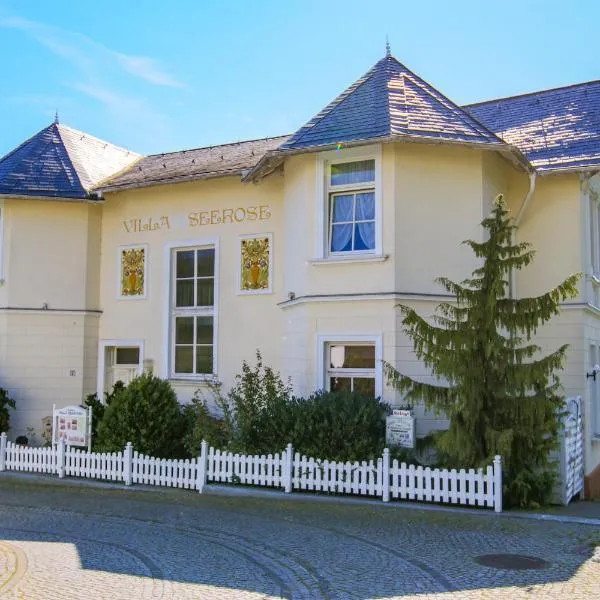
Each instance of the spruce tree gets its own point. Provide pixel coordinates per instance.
(499, 393)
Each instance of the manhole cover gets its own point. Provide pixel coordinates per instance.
(514, 562)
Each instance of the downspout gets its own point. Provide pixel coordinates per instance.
(518, 219)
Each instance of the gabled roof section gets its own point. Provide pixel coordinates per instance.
(557, 129)
(390, 101)
(191, 165)
(60, 162)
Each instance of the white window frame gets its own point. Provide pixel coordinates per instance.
(323, 170)
(169, 311)
(325, 340)
(144, 296)
(114, 343)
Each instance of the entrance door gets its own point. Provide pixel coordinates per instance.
(122, 364)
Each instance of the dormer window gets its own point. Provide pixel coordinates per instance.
(351, 192)
(349, 205)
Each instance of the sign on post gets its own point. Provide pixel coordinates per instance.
(73, 425)
(400, 429)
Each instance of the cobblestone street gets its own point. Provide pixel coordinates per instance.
(59, 542)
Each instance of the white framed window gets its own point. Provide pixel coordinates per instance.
(192, 312)
(349, 202)
(350, 363)
(118, 360)
(351, 194)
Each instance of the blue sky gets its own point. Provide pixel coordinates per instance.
(155, 76)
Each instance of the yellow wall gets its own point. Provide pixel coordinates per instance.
(245, 322)
(51, 255)
(552, 224)
(438, 204)
(46, 358)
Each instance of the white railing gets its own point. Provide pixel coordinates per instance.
(389, 480)
(94, 465)
(161, 471)
(21, 458)
(266, 470)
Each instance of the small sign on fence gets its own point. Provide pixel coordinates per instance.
(73, 424)
(400, 429)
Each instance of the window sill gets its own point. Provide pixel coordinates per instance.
(339, 260)
(194, 381)
(596, 439)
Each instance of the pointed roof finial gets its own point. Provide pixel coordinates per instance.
(388, 50)
(56, 121)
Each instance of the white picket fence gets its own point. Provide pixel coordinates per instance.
(389, 480)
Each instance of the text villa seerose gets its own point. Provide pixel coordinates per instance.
(200, 218)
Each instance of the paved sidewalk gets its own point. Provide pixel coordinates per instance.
(61, 539)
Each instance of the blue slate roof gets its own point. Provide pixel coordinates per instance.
(556, 129)
(60, 162)
(390, 100)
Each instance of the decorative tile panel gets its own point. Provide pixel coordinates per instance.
(255, 268)
(132, 280)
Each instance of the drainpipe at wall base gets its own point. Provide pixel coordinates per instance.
(513, 276)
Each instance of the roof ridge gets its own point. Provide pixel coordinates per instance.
(269, 137)
(29, 139)
(536, 93)
(84, 134)
(66, 147)
(449, 104)
(339, 99)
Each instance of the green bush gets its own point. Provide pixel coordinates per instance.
(261, 415)
(98, 408)
(200, 425)
(5, 403)
(339, 426)
(147, 414)
(259, 404)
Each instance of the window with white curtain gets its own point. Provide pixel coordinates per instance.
(192, 311)
(351, 210)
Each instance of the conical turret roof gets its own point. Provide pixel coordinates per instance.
(60, 162)
(390, 100)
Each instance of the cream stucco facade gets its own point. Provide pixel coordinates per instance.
(147, 273)
(63, 318)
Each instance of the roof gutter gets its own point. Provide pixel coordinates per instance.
(517, 223)
(273, 159)
(48, 198)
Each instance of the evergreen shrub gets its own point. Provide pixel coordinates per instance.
(98, 408)
(5, 403)
(339, 426)
(147, 414)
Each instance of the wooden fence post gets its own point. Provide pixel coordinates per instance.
(385, 474)
(128, 464)
(201, 467)
(497, 483)
(2, 451)
(288, 468)
(60, 458)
